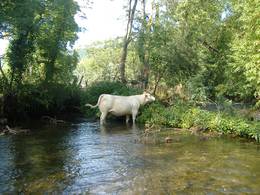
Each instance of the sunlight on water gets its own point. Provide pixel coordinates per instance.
(88, 158)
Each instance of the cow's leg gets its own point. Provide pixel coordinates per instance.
(127, 118)
(103, 118)
(134, 113)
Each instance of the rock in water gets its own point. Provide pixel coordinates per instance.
(168, 140)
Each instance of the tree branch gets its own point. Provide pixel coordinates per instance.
(208, 46)
(2, 36)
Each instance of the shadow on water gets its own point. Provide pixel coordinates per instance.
(37, 157)
(87, 157)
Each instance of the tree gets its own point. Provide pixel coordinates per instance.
(20, 30)
(143, 45)
(55, 35)
(244, 66)
(39, 40)
(127, 38)
(99, 61)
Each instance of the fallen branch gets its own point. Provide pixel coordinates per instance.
(8, 130)
(52, 120)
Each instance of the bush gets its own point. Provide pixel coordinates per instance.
(157, 113)
(187, 116)
(196, 117)
(33, 101)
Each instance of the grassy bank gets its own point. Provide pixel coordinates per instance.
(183, 115)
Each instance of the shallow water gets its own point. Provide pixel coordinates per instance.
(83, 158)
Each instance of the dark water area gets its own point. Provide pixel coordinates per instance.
(87, 158)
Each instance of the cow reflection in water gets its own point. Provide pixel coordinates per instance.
(118, 128)
(121, 105)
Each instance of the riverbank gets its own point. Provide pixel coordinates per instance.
(177, 114)
(187, 116)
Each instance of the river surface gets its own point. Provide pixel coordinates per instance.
(89, 159)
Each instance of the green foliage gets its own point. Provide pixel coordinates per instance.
(196, 90)
(55, 36)
(99, 61)
(154, 114)
(158, 114)
(40, 33)
(35, 101)
(39, 78)
(186, 116)
(210, 47)
(195, 117)
(213, 43)
(244, 67)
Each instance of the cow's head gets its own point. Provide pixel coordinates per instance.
(148, 97)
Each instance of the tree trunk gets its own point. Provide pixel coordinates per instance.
(146, 75)
(1, 105)
(122, 62)
(158, 79)
(5, 80)
(127, 40)
(143, 50)
(80, 81)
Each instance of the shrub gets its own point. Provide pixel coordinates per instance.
(187, 116)
(33, 101)
(196, 117)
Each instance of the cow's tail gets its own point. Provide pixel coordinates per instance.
(91, 106)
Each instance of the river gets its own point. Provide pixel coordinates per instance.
(86, 158)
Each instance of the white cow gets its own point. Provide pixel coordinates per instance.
(121, 105)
